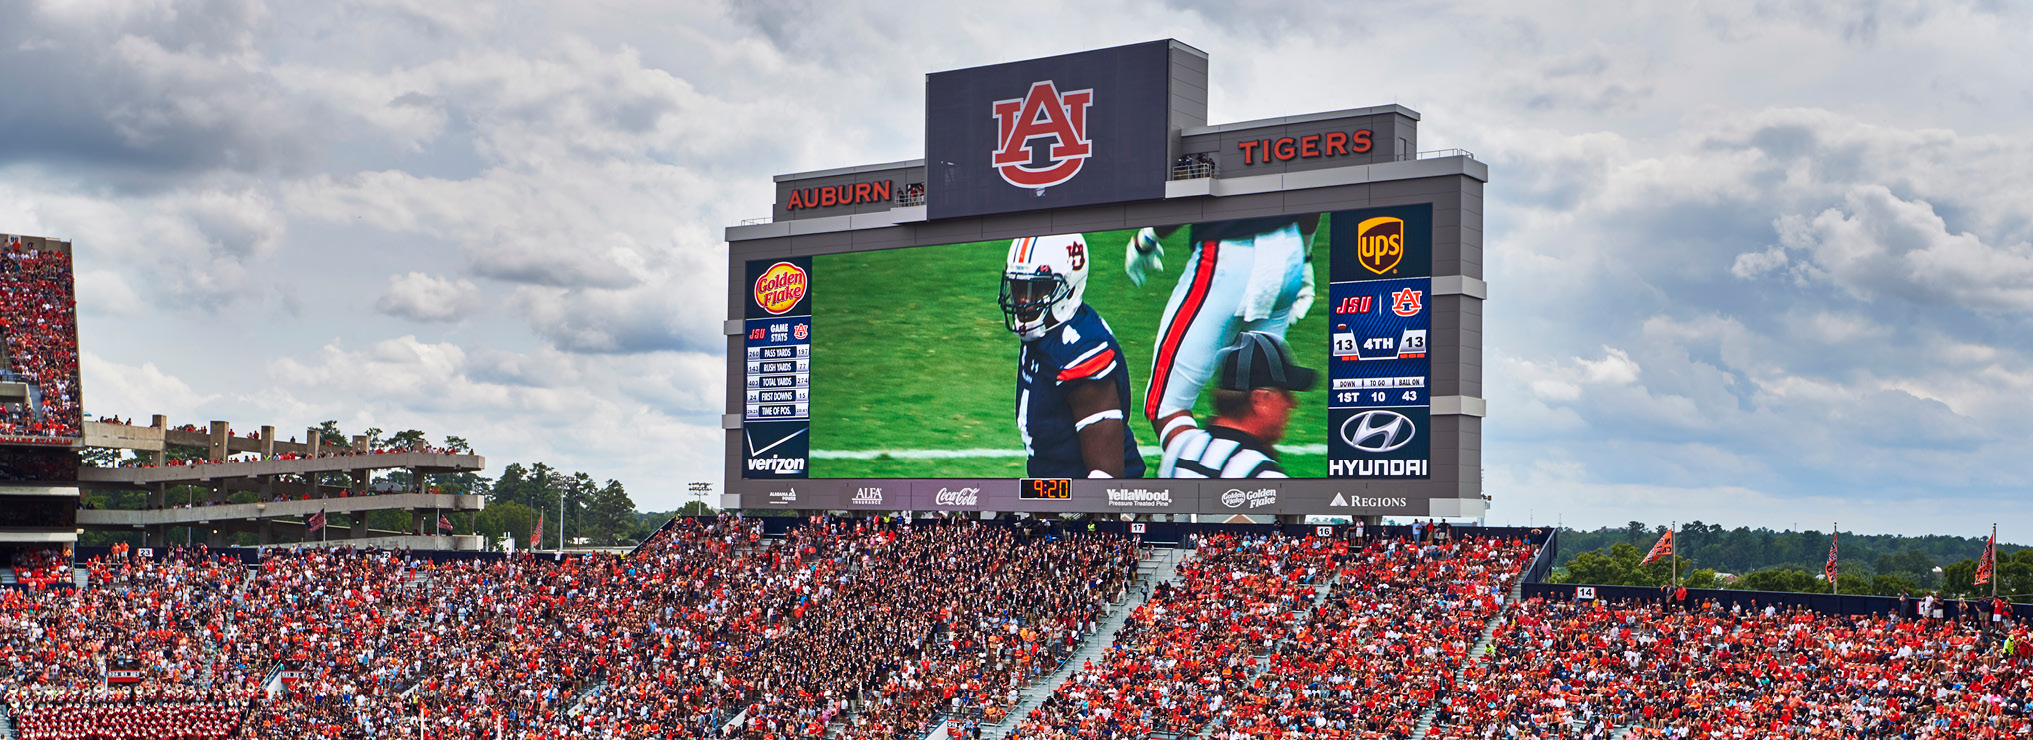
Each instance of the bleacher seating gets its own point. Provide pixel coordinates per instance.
(867, 629)
(1570, 669)
(38, 325)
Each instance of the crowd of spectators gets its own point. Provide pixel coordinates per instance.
(874, 627)
(38, 324)
(38, 567)
(1192, 166)
(1192, 644)
(1582, 669)
(1386, 644)
(877, 628)
(120, 714)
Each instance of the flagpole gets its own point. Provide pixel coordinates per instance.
(1834, 535)
(1674, 532)
(1993, 552)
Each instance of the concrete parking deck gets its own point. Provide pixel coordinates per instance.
(209, 473)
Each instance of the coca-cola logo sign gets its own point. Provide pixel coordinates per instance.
(961, 497)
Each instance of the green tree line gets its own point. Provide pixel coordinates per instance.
(1767, 560)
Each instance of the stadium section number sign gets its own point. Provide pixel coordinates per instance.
(990, 361)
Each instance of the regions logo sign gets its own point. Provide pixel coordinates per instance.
(1058, 124)
(780, 288)
(1380, 243)
(1370, 502)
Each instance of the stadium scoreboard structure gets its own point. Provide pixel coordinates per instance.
(940, 334)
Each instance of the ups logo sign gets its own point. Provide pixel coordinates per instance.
(1380, 243)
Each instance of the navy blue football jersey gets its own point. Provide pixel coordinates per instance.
(1082, 348)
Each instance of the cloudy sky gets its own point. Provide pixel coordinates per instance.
(1761, 262)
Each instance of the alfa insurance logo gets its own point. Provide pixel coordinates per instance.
(1056, 121)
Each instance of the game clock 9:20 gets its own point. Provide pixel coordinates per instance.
(1048, 489)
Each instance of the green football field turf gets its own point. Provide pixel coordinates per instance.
(909, 354)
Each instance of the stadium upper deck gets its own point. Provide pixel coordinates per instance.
(38, 343)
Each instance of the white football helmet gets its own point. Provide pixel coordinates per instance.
(1042, 282)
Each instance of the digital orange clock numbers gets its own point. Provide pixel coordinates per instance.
(1057, 489)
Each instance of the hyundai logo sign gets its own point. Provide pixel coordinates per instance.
(1378, 430)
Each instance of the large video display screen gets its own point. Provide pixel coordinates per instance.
(38, 344)
(1145, 353)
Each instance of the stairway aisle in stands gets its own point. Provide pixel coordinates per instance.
(7, 724)
(1479, 652)
(1162, 569)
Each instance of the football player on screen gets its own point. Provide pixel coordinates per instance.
(1072, 379)
(1252, 274)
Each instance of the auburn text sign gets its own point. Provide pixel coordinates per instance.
(1045, 133)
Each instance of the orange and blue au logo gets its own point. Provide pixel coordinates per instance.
(780, 288)
(1380, 243)
(1042, 113)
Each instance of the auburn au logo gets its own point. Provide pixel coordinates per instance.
(1380, 243)
(1043, 113)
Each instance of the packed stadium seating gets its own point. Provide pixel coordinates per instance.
(1386, 643)
(874, 627)
(38, 567)
(1191, 643)
(862, 628)
(1576, 669)
(1240, 650)
(38, 323)
(113, 714)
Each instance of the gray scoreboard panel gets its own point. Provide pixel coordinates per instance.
(783, 455)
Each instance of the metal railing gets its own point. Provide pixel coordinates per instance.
(1437, 154)
(1195, 170)
(1541, 566)
(908, 198)
(755, 221)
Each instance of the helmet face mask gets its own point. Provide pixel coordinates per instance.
(1042, 283)
(1027, 301)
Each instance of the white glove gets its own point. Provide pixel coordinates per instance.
(1142, 255)
(1304, 300)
